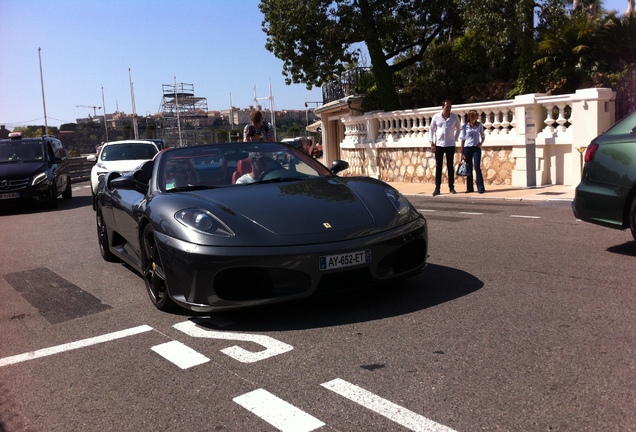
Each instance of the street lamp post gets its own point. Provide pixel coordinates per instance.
(581, 151)
(46, 125)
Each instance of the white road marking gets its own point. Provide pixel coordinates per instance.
(275, 411)
(180, 354)
(393, 412)
(525, 217)
(73, 345)
(426, 210)
(272, 346)
(470, 213)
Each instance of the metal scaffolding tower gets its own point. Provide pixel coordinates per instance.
(180, 108)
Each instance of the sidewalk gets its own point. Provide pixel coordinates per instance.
(506, 192)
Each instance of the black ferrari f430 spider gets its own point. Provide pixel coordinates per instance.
(222, 226)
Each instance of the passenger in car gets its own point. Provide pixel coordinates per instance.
(259, 165)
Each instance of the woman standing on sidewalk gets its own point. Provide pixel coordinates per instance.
(472, 137)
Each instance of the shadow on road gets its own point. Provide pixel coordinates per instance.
(436, 285)
(627, 249)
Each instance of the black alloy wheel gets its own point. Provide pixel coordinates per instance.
(153, 273)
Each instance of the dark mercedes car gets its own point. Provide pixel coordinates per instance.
(33, 170)
(606, 194)
(228, 225)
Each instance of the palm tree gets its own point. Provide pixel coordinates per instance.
(564, 54)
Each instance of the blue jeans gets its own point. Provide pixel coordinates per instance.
(473, 160)
(439, 163)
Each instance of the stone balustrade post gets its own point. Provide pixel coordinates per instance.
(529, 122)
(593, 112)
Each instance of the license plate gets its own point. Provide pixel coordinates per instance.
(10, 195)
(331, 262)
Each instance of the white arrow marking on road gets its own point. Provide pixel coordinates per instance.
(275, 411)
(273, 346)
(180, 354)
(74, 345)
(393, 412)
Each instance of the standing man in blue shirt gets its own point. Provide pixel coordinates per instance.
(444, 131)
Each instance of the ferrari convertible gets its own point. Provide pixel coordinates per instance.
(222, 226)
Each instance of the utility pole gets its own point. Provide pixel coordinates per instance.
(46, 124)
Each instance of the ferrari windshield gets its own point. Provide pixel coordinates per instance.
(235, 164)
(21, 151)
(129, 151)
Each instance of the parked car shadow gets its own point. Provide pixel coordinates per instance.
(31, 208)
(627, 248)
(436, 285)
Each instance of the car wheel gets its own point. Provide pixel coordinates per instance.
(52, 202)
(632, 218)
(68, 192)
(102, 238)
(153, 272)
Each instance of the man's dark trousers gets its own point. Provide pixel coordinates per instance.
(439, 160)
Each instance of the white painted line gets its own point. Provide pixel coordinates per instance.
(426, 210)
(470, 213)
(73, 345)
(180, 354)
(393, 412)
(275, 411)
(525, 217)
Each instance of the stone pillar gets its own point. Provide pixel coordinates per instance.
(529, 118)
(593, 112)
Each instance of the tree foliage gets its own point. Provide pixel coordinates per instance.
(463, 50)
(319, 39)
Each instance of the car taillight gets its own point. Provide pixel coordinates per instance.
(589, 153)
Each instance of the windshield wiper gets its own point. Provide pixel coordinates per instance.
(279, 180)
(191, 188)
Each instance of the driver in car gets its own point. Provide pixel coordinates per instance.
(259, 165)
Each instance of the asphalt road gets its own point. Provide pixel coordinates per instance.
(523, 321)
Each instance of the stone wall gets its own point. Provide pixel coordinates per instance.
(417, 165)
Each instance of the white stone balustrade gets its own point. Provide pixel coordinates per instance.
(531, 140)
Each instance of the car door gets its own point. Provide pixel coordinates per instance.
(59, 165)
(126, 213)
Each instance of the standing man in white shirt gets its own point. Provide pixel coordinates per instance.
(444, 131)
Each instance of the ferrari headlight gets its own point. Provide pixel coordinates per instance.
(398, 200)
(203, 221)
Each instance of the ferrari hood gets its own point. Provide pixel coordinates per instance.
(299, 208)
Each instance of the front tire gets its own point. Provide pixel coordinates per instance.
(68, 192)
(102, 238)
(52, 202)
(632, 218)
(153, 273)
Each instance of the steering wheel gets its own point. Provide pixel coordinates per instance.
(267, 171)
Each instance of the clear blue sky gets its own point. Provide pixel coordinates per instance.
(215, 45)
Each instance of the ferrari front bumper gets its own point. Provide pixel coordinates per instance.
(205, 278)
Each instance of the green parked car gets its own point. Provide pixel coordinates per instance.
(607, 193)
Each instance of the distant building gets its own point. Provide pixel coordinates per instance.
(4, 132)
